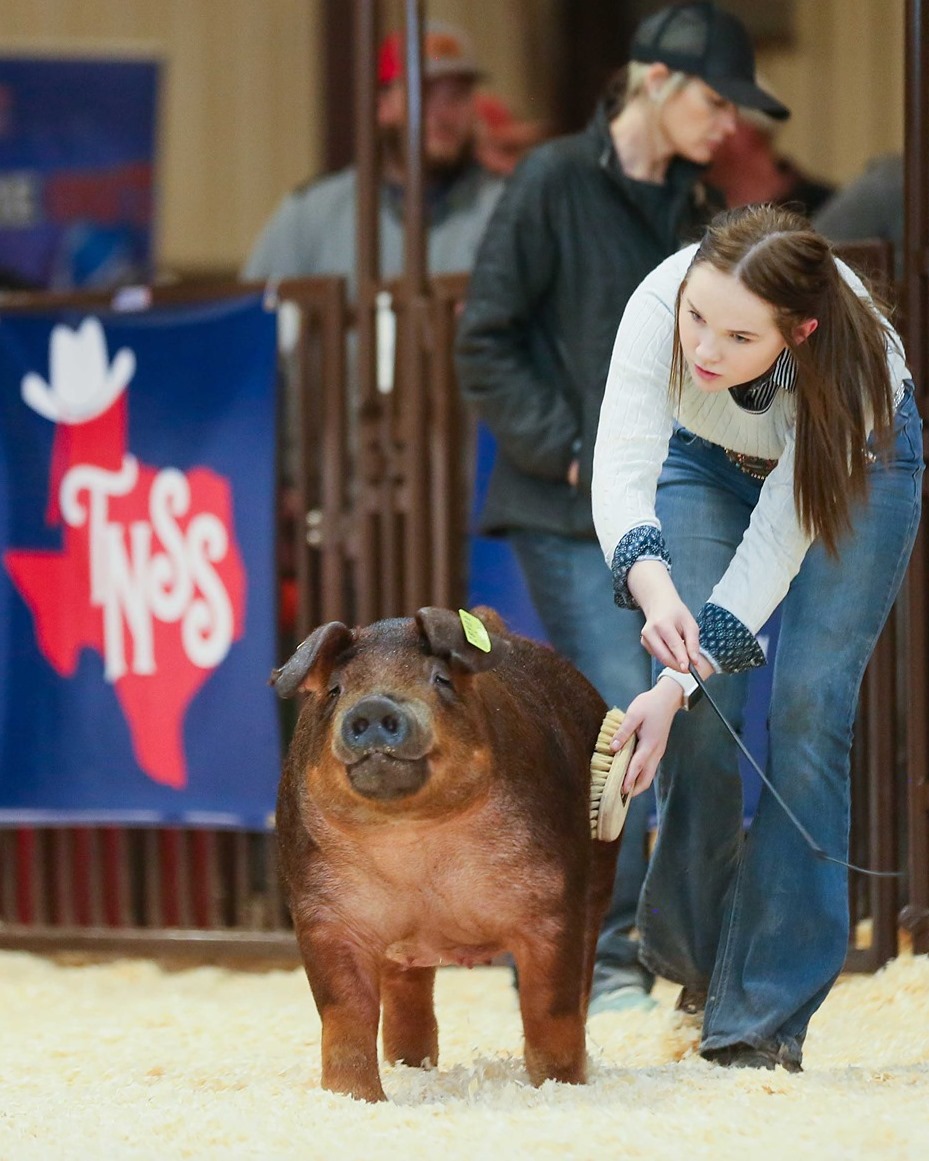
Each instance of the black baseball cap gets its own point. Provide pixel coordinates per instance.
(707, 42)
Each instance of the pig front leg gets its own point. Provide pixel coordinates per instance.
(552, 1003)
(345, 987)
(410, 1030)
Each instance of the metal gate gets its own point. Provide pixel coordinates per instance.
(384, 485)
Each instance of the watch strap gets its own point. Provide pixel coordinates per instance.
(688, 683)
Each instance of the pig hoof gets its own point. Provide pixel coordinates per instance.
(561, 1075)
(372, 1092)
(543, 1066)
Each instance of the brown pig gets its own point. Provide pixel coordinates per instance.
(434, 810)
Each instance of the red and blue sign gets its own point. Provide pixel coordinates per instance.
(77, 152)
(137, 580)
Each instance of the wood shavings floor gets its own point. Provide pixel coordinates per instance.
(125, 1059)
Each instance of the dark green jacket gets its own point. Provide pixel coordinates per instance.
(569, 241)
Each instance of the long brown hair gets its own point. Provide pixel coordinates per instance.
(843, 385)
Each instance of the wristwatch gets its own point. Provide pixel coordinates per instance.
(688, 683)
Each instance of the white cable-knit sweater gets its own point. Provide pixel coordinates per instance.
(636, 421)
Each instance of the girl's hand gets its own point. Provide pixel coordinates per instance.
(671, 634)
(649, 716)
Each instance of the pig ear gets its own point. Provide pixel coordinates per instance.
(311, 665)
(445, 635)
(492, 620)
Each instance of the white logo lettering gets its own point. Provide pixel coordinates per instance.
(134, 585)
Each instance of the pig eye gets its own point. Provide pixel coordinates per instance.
(442, 680)
(334, 692)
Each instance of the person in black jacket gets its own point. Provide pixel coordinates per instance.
(581, 222)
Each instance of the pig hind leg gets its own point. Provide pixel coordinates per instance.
(410, 1031)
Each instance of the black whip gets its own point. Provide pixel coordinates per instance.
(817, 850)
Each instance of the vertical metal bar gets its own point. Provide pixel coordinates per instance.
(883, 847)
(169, 863)
(414, 202)
(448, 443)
(418, 546)
(308, 467)
(222, 860)
(42, 879)
(874, 837)
(387, 479)
(390, 496)
(857, 958)
(180, 896)
(61, 877)
(8, 876)
(116, 875)
(82, 863)
(339, 65)
(25, 875)
(95, 878)
(412, 494)
(241, 850)
(339, 562)
(442, 458)
(367, 260)
(152, 878)
(201, 886)
(915, 915)
(367, 233)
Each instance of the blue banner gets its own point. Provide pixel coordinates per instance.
(137, 573)
(77, 152)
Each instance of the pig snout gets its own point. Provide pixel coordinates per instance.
(383, 744)
(376, 724)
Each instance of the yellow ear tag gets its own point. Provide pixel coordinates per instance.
(474, 631)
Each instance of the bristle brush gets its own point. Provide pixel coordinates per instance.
(608, 804)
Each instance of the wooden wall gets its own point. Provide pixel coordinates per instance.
(242, 104)
(843, 77)
(241, 101)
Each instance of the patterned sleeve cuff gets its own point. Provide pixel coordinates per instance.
(727, 642)
(643, 542)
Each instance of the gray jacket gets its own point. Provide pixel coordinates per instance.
(313, 229)
(869, 207)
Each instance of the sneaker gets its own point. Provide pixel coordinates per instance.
(625, 998)
(745, 1056)
(691, 1001)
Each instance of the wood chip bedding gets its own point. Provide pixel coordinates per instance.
(126, 1059)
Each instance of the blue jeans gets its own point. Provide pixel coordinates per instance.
(572, 590)
(760, 922)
